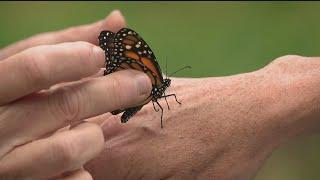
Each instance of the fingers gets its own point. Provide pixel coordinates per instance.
(56, 109)
(43, 66)
(88, 33)
(99, 119)
(112, 127)
(62, 152)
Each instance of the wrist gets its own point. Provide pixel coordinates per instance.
(263, 108)
(291, 99)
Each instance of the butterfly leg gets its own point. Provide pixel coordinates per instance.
(105, 72)
(161, 112)
(172, 95)
(165, 98)
(154, 107)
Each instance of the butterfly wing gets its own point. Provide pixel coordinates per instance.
(129, 45)
(106, 42)
(129, 113)
(124, 50)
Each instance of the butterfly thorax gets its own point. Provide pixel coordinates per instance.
(167, 82)
(158, 92)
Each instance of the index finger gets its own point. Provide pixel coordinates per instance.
(89, 33)
(41, 67)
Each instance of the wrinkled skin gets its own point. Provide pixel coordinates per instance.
(49, 85)
(225, 128)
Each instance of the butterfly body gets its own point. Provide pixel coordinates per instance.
(127, 50)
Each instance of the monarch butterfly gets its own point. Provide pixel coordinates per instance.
(126, 49)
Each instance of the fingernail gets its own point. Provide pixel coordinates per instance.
(143, 85)
(99, 53)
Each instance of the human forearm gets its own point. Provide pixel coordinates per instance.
(225, 128)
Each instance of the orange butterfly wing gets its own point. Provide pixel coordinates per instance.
(131, 45)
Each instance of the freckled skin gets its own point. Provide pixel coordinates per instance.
(225, 128)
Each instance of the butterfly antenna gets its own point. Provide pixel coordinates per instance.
(186, 67)
(166, 66)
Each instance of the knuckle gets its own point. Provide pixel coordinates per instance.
(84, 52)
(84, 44)
(284, 64)
(286, 59)
(41, 38)
(97, 131)
(65, 104)
(85, 48)
(64, 152)
(68, 33)
(71, 32)
(33, 66)
(117, 92)
(95, 128)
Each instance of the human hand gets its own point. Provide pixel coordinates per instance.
(45, 86)
(225, 128)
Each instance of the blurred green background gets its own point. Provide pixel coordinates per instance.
(215, 38)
